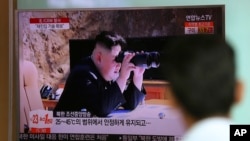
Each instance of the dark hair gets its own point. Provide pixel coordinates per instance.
(108, 39)
(201, 71)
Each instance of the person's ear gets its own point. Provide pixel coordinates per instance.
(239, 87)
(99, 57)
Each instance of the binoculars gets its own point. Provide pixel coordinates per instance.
(146, 59)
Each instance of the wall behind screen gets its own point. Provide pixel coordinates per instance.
(237, 30)
(4, 70)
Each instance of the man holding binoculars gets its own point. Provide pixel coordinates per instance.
(100, 83)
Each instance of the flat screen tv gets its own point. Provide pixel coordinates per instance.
(51, 42)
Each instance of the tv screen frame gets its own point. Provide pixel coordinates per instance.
(35, 25)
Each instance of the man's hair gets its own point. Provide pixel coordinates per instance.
(201, 72)
(108, 39)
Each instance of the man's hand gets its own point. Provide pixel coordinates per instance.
(138, 77)
(126, 68)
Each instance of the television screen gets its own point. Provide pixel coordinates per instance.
(51, 43)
